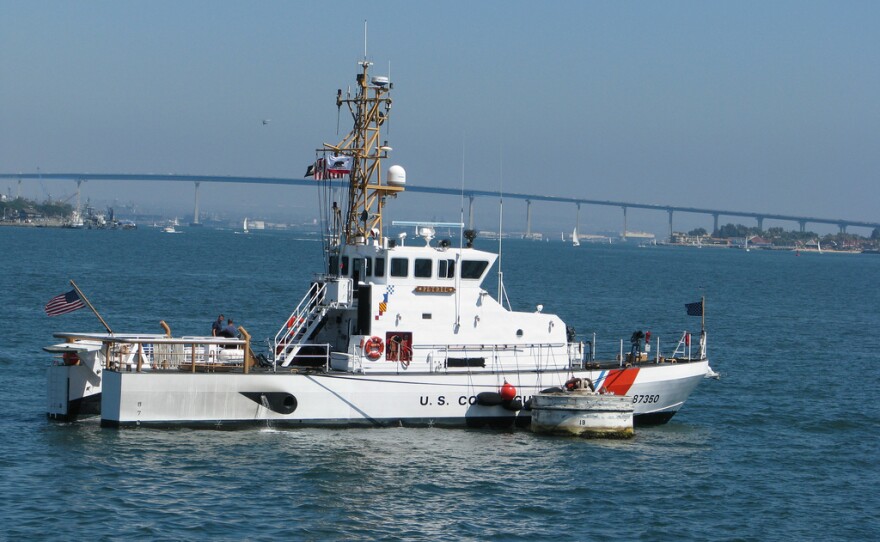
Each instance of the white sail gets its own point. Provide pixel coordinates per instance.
(244, 226)
(574, 238)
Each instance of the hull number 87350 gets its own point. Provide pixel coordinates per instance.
(646, 399)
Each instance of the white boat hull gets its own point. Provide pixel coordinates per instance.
(346, 399)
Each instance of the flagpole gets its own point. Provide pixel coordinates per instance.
(703, 311)
(84, 298)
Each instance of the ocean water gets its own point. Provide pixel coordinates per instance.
(783, 447)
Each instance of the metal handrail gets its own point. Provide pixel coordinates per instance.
(289, 336)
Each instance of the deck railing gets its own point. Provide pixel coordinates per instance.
(132, 353)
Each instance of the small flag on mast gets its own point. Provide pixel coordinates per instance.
(694, 309)
(64, 303)
(331, 167)
(338, 165)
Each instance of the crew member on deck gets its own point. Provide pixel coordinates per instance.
(229, 331)
(217, 326)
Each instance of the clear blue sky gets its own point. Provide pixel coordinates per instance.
(758, 106)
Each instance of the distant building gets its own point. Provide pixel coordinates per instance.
(681, 238)
(754, 242)
(29, 215)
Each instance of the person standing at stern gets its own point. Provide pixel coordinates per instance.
(217, 326)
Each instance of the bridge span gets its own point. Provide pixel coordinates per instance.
(470, 193)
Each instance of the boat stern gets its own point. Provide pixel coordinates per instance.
(73, 382)
(72, 391)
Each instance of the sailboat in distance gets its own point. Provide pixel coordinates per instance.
(244, 227)
(575, 241)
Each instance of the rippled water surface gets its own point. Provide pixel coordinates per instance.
(784, 446)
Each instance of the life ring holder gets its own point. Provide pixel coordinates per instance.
(373, 347)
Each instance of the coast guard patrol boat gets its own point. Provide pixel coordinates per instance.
(391, 332)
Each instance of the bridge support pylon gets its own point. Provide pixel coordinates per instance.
(196, 209)
(528, 219)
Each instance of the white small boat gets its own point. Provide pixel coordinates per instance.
(577, 410)
(170, 229)
(575, 240)
(244, 227)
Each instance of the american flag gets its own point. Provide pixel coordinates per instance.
(64, 303)
(318, 170)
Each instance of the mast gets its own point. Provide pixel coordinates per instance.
(370, 108)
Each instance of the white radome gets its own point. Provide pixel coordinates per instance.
(396, 176)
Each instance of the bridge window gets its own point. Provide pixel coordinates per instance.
(422, 268)
(379, 270)
(399, 267)
(360, 268)
(334, 265)
(343, 269)
(473, 269)
(446, 269)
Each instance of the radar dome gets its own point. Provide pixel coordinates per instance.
(396, 176)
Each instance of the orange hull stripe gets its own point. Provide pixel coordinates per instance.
(620, 381)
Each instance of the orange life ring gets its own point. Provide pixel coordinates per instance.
(294, 320)
(373, 348)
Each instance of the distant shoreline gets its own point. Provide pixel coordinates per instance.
(46, 224)
(771, 249)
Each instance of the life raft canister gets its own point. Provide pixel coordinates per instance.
(373, 347)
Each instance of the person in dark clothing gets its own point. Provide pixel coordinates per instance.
(229, 331)
(217, 326)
